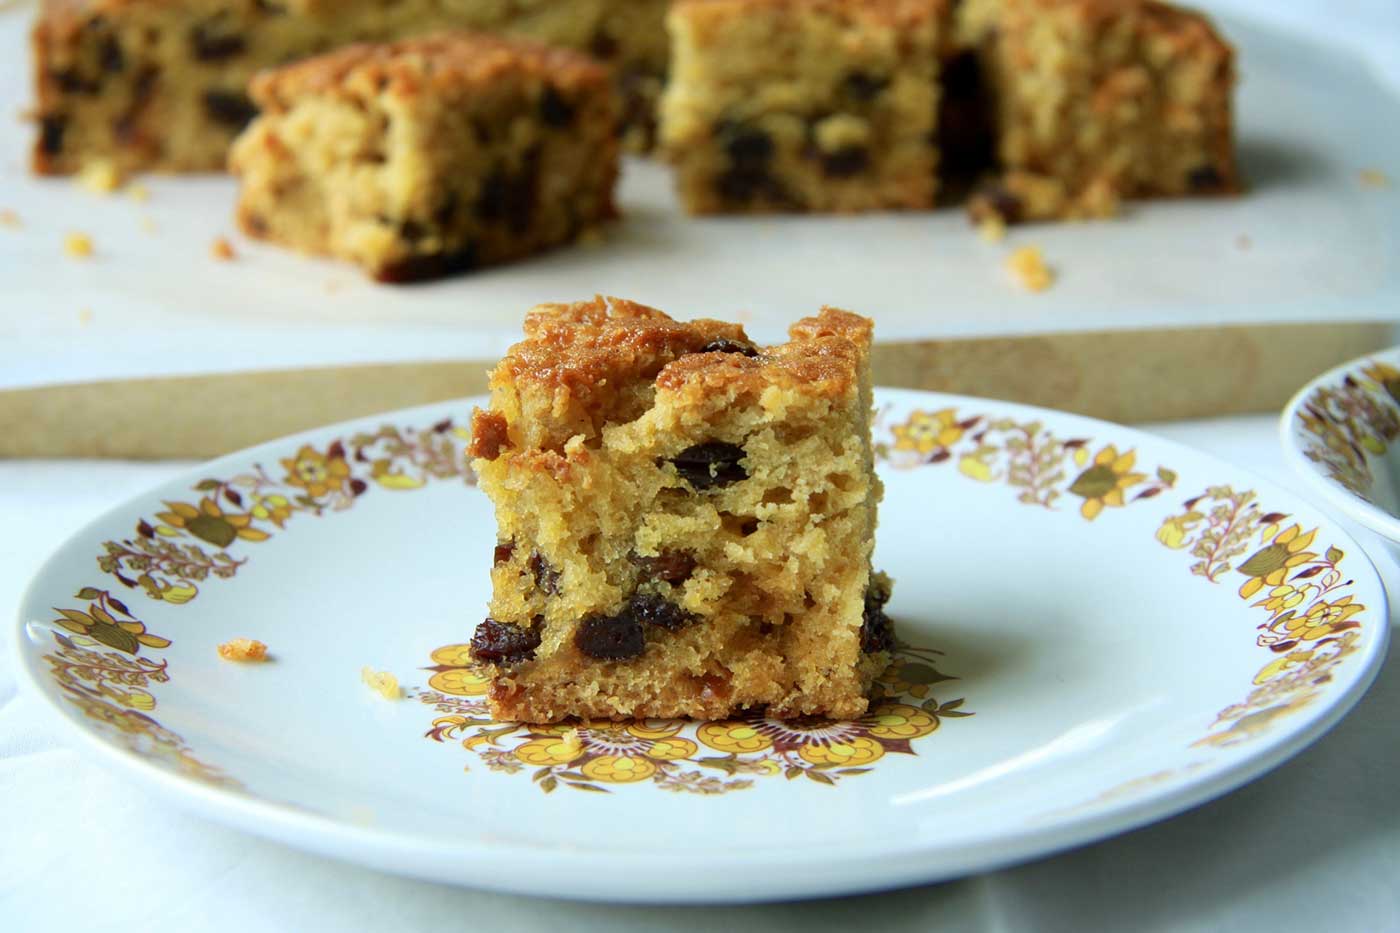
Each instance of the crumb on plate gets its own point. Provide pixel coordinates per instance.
(9, 218)
(100, 177)
(381, 682)
(572, 742)
(78, 245)
(222, 250)
(1374, 178)
(1028, 264)
(243, 649)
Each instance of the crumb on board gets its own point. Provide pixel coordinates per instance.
(139, 193)
(100, 177)
(1374, 178)
(1028, 264)
(222, 250)
(9, 218)
(85, 317)
(992, 228)
(78, 245)
(381, 682)
(243, 649)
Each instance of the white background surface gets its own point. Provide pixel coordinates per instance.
(1315, 845)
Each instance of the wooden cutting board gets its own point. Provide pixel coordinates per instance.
(153, 348)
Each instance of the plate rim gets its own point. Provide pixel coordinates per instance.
(1367, 514)
(813, 872)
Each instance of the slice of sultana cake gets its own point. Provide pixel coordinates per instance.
(685, 519)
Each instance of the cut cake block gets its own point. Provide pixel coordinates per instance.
(685, 520)
(431, 155)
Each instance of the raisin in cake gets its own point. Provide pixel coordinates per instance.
(685, 519)
(161, 84)
(803, 105)
(1100, 100)
(431, 155)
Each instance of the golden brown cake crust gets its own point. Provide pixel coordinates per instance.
(424, 64)
(899, 13)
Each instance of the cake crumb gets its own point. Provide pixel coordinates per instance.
(85, 317)
(9, 218)
(139, 193)
(100, 177)
(1028, 264)
(1374, 178)
(78, 245)
(992, 228)
(222, 250)
(381, 682)
(243, 649)
(572, 742)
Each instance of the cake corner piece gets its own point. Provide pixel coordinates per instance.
(685, 519)
(429, 156)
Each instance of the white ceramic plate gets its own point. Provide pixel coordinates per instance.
(1340, 433)
(1104, 629)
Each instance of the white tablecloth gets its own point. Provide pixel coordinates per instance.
(1314, 845)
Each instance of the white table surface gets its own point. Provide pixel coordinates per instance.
(1313, 846)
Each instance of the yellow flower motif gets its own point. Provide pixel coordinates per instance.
(1283, 663)
(1174, 532)
(274, 508)
(672, 749)
(99, 624)
(618, 769)
(461, 682)
(461, 676)
(1387, 377)
(975, 467)
(316, 472)
(733, 736)
(900, 721)
(208, 523)
(1284, 596)
(1270, 565)
(1325, 618)
(551, 750)
(1104, 483)
(853, 752)
(926, 432)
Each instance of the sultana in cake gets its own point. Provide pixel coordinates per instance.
(685, 520)
(430, 156)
